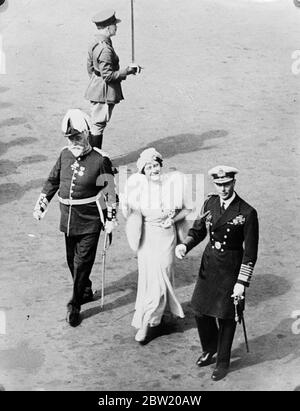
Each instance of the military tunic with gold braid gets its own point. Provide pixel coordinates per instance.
(86, 191)
(229, 256)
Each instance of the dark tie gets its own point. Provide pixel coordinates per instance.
(222, 208)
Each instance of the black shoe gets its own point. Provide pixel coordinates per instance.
(205, 358)
(219, 373)
(73, 315)
(88, 296)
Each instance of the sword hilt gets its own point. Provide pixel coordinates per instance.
(240, 317)
(236, 301)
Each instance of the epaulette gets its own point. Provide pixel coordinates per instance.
(94, 46)
(208, 197)
(100, 44)
(64, 148)
(103, 153)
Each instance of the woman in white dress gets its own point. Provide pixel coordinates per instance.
(161, 201)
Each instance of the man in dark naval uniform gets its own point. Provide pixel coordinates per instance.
(84, 179)
(226, 267)
(104, 89)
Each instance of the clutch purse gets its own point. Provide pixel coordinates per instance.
(134, 229)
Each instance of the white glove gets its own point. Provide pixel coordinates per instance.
(238, 290)
(40, 207)
(180, 251)
(110, 225)
(134, 68)
(167, 223)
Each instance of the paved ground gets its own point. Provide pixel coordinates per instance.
(218, 87)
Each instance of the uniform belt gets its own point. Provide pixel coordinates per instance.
(81, 201)
(218, 246)
(71, 201)
(98, 74)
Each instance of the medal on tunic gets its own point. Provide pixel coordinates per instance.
(217, 245)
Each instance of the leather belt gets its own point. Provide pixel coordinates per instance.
(220, 246)
(71, 202)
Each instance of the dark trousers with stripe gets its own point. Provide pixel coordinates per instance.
(81, 253)
(216, 336)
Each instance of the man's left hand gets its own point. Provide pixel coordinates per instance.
(135, 68)
(110, 225)
(238, 290)
(167, 223)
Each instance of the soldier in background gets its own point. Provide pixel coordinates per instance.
(226, 267)
(104, 89)
(84, 179)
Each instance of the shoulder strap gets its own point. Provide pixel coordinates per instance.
(209, 195)
(96, 45)
(103, 153)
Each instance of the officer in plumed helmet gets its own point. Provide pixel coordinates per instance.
(104, 90)
(226, 267)
(84, 179)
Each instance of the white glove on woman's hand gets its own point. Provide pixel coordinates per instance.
(167, 223)
(180, 251)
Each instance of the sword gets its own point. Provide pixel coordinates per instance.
(105, 247)
(137, 67)
(239, 318)
(245, 332)
(132, 32)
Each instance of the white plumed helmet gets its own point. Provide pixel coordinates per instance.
(75, 121)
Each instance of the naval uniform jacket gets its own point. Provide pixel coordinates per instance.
(80, 178)
(229, 256)
(104, 71)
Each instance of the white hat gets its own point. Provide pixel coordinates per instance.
(147, 156)
(75, 121)
(223, 174)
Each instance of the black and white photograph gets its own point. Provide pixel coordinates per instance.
(149, 198)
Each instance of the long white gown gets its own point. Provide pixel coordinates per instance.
(155, 291)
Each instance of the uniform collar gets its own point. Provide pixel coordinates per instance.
(228, 201)
(229, 213)
(86, 151)
(101, 37)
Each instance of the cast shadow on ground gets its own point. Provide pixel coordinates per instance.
(13, 191)
(13, 121)
(5, 105)
(173, 145)
(168, 147)
(184, 276)
(8, 167)
(264, 287)
(22, 141)
(281, 343)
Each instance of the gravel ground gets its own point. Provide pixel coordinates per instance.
(218, 86)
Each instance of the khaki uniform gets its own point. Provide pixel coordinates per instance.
(105, 82)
